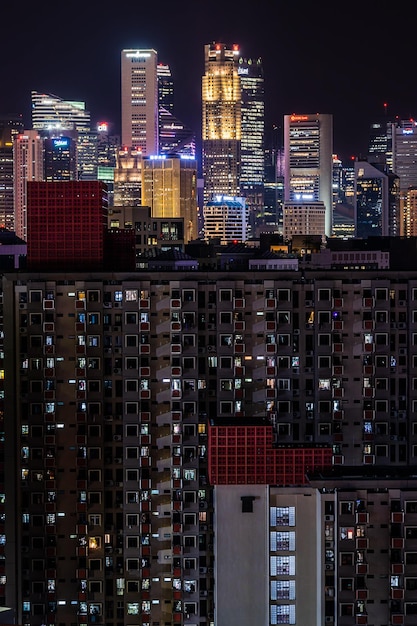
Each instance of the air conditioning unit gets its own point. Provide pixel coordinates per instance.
(109, 483)
(296, 331)
(309, 437)
(117, 437)
(309, 303)
(117, 370)
(118, 460)
(118, 551)
(329, 518)
(329, 566)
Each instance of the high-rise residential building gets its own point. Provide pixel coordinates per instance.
(54, 117)
(10, 126)
(66, 224)
(139, 100)
(169, 187)
(377, 201)
(222, 121)
(28, 165)
(252, 168)
(171, 439)
(308, 161)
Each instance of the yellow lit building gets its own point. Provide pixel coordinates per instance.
(221, 128)
(169, 187)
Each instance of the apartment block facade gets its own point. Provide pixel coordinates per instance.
(209, 448)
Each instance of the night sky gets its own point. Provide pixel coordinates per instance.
(318, 58)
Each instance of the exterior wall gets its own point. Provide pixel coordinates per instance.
(241, 569)
(76, 217)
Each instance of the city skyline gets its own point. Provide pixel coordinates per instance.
(339, 65)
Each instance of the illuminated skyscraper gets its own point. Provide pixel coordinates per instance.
(308, 161)
(165, 87)
(60, 159)
(221, 129)
(28, 165)
(253, 131)
(377, 201)
(53, 117)
(10, 126)
(139, 86)
(174, 136)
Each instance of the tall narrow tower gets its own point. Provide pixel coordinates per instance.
(221, 131)
(10, 126)
(28, 165)
(253, 134)
(308, 161)
(140, 100)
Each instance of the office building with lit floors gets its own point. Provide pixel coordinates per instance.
(222, 121)
(209, 447)
(139, 100)
(308, 161)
